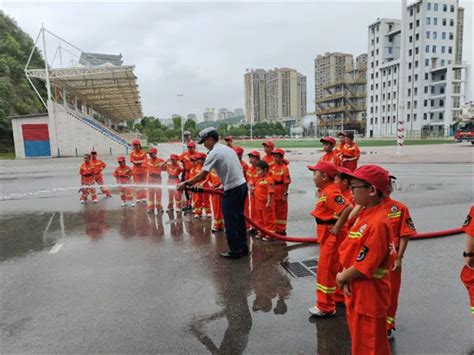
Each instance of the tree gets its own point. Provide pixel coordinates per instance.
(177, 122)
(190, 125)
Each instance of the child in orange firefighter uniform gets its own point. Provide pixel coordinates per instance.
(350, 153)
(330, 155)
(402, 228)
(264, 204)
(467, 273)
(282, 180)
(268, 147)
(331, 212)
(154, 167)
(245, 168)
(215, 182)
(87, 179)
(123, 175)
(366, 255)
(201, 201)
(252, 176)
(187, 160)
(138, 159)
(99, 167)
(174, 170)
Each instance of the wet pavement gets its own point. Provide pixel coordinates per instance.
(100, 278)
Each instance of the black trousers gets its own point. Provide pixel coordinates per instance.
(233, 203)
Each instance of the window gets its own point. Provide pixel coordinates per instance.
(372, 53)
(417, 36)
(372, 87)
(441, 116)
(393, 119)
(443, 35)
(409, 92)
(428, 34)
(408, 105)
(409, 78)
(451, 22)
(415, 104)
(444, 22)
(428, 6)
(394, 106)
(426, 89)
(432, 103)
(425, 103)
(411, 12)
(416, 50)
(417, 23)
(389, 83)
(434, 49)
(394, 95)
(377, 75)
(425, 117)
(371, 99)
(435, 34)
(435, 21)
(428, 20)
(427, 62)
(377, 63)
(394, 82)
(410, 39)
(443, 49)
(414, 117)
(371, 120)
(411, 25)
(409, 66)
(388, 98)
(442, 62)
(452, 8)
(415, 92)
(395, 70)
(416, 77)
(372, 76)
(376, 86)
(451, 35)
(445, 8)
(390, 50)
(432, 89)
(416, 64)
(376, 119)
(427, 48)
(441, 103)
(435, 7)
(441, 90)
(408, 118)
(410, 52)
(450, 50)
(427, 76)
(377, 40)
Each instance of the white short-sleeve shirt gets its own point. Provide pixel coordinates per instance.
(227, 165)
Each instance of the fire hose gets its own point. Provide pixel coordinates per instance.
(293, 239)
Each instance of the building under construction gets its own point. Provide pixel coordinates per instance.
(341, 105)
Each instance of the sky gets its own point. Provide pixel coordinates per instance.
(202, 49)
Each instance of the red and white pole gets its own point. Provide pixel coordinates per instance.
(402, 81)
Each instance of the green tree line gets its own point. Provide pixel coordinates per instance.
(17, 97)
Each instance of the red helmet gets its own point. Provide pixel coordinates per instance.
(229, 139)
(174, 157)
(136, 142)
(121, 158)
(239, 150)
(279, 152)
(152, 150)
(191, 144)
(254, 153)
(200, 155)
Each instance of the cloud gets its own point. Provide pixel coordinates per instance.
(202, 50)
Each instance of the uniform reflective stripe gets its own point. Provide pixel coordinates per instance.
(390, 320)
(394, 214)
(355, 235)
(472, 310)
(280, 221)
(379, 273)
(322, 199)
(324, 289)
(263, 182)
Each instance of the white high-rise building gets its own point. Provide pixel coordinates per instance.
(436, 80)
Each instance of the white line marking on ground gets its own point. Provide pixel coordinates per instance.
(55, 248)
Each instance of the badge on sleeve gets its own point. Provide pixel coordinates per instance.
(339, 200)
(363, 253)
(467, 221)
(410, 223)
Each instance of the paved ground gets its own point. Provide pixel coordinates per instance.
(98, 278)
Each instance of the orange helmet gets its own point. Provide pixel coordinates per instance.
(121, 158)
(152, 150)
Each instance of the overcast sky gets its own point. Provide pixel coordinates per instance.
(202, 49)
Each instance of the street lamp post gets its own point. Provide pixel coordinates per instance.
(180, 104)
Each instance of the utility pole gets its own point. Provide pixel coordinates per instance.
(180, 107)
(401, 81)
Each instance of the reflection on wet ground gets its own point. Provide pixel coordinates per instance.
(127, 281)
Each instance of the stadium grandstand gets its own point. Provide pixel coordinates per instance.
(90, 96)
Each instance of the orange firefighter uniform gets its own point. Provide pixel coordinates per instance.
(350, 151)
(99, 166)
(123, 175)
(251, 178)
(201, 201)
(332, 156)
(329, 206)
(265, 216)
(216, 201)
(138, 159)
(281, 179)
(187, 160)
(402, 227)
(245, 168)
(154, 168)
(174, 170)
(467, 273)
(87, 181)
(369, 248)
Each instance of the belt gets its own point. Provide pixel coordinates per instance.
(173, 177)
(328, 222)
(279, 183)
(155, 175)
